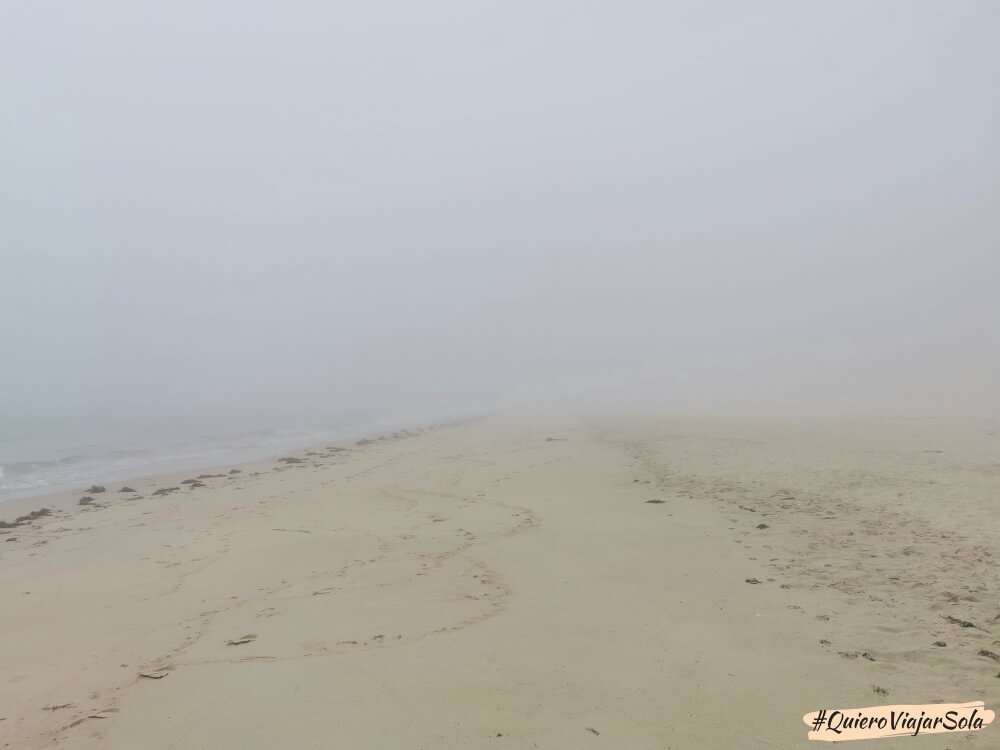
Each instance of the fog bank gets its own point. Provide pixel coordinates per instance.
(302, 208)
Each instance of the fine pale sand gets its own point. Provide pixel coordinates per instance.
(507, 583)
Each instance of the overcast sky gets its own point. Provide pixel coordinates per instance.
(302, 205)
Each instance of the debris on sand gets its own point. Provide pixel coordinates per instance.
(747, 508)
(235, 471)
(962, 623)
(940, 644)
(26, 518)
(126, 489)
(879, 690)
(211, 476)
(165, 491)
(762, 526)
(655, 502)
(11, 539)
(753, 580)
(989, 654)
(57, 707)
(593, 731)
(188, 481)
(96, 489)
(157, 674)
(196, 484)
(291, 460)
(85, 500)
(248, 638)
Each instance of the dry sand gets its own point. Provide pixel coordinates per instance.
(505, 583)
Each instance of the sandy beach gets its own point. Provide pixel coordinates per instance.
(515, 583)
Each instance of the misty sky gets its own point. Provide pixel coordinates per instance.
(301, 205)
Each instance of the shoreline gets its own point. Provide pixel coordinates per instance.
(63, 500)
(199, 456)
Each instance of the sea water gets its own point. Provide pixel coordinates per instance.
(39, 456)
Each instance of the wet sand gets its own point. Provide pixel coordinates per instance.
(510, 583)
